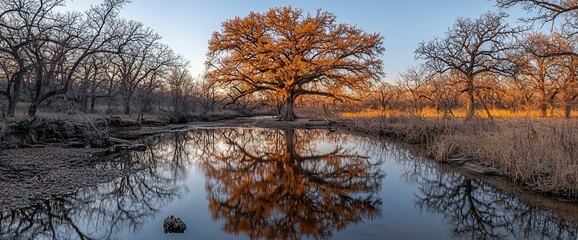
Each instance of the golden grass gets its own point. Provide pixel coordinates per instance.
(457, 113)
(539, 153)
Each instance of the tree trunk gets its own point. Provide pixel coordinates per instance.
(92, 99)
(126, 104)
(543, 100)
(84, 107)
(279, 107)
(126, 108)
(290, 145)
(139, 118)
(568, 110)
(13, 100)
(126, 98)
(289, 113)
(543, 108)
(32, 109)
(471, 102)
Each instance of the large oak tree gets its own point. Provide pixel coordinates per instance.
(284, 51)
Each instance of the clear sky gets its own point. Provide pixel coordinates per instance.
(186, 25)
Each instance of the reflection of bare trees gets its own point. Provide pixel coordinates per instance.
(475, 210)
(285, 184)
(279, 184)
(101, 211)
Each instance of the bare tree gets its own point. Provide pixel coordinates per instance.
(471, 48)
(549, 11)
(543, 71)
(143, 64)
(287, 52)
(442, 93)
(181, 86)
(569, 89)
(413, 80)
(208, 96)
(57, 51)
(67, 39)
(19, 28)
(87, 75)
(385, 97)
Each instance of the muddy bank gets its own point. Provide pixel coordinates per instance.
(85, 132)
(138, 132)
(31, 175)
(39, 132)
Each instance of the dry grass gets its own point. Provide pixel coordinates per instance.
(540, 153)
(457, 113)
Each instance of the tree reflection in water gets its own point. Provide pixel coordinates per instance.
(279, 184)
(101, 211)
(475, 210)
(284, 184)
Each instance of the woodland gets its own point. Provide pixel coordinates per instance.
(95, 62)
(488, 92)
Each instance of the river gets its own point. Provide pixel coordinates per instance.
(243, 183)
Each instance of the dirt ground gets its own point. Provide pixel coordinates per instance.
(30, 175)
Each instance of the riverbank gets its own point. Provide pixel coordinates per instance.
(537, 153)
(59, 156)
(45, 157)
(32, 175)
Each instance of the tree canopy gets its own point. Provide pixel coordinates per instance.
(284, 51)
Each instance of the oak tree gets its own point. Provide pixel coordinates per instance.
(287, 52)
(550, 11)
(542, 70)
(471, 48)
(546, 10)
(20, 27)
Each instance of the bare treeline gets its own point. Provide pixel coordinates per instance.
(486, 65)
(97, 62)
(92, 61)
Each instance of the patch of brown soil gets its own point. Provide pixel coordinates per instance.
(30, 175)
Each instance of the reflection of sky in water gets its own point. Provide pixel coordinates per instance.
(416, 200)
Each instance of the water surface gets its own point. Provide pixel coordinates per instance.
(245, 183)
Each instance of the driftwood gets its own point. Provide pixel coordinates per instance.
(122, 147)
(118, 140)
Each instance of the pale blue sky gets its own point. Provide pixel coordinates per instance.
(186, 25)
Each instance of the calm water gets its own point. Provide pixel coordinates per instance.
(264, 183)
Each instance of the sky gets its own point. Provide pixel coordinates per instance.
(186, 25)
